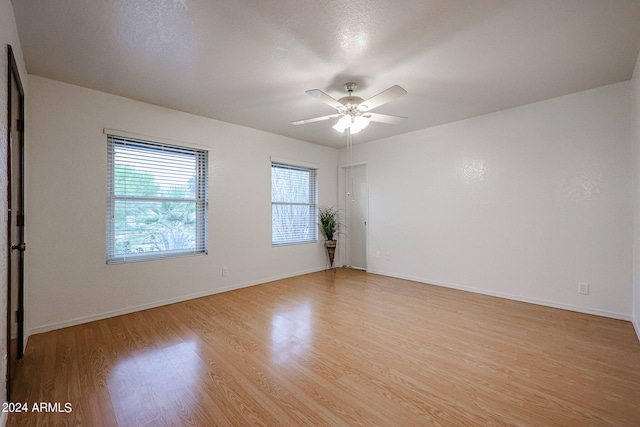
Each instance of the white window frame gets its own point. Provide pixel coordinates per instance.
(311, 204)
(200, 200)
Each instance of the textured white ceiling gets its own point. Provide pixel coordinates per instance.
(249, 62)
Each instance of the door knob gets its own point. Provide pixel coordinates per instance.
(21, 247)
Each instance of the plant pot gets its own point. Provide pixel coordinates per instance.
(331, 249)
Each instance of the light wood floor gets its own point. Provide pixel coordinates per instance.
(345, 349)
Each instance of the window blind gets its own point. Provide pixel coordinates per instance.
(157, 200)
(293, 204)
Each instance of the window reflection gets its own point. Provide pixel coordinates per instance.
(166, 376)
(291, 329)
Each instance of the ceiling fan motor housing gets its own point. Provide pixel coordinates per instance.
(350, 102)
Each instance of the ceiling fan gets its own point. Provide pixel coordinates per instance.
(354, 112)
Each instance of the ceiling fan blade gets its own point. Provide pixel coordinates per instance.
(382, 98)
(320, 95)
(315, 119)
(385, 118)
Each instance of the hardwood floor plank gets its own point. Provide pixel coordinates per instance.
(337, 348)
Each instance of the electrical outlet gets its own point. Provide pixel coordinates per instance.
(225, 271)
(583, 288)
(378, 255)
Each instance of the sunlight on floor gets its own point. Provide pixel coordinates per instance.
(168, 377)
(287, 324)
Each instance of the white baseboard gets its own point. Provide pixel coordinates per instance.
(133, 309)
(553, 304)
(114, 313)
(636, 326)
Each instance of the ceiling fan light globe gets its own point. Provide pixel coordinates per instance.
(358, 123)
(339, 128)
(361, 121)
(343, 123)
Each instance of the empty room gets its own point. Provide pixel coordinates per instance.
(333, 213)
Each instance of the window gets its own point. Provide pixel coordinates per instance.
(157, 200)
(293, 204)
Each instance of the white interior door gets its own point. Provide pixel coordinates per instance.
(355, 205)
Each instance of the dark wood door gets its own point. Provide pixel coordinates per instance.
(15, 224)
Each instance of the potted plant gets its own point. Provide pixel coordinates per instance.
(329, 223)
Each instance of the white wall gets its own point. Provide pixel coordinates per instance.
(524, 203)
(67, 279)
(8, 35)
(636, 199)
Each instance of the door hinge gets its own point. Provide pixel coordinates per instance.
(19, 316)
(20, 220)
(20, 247)
(20, 124)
